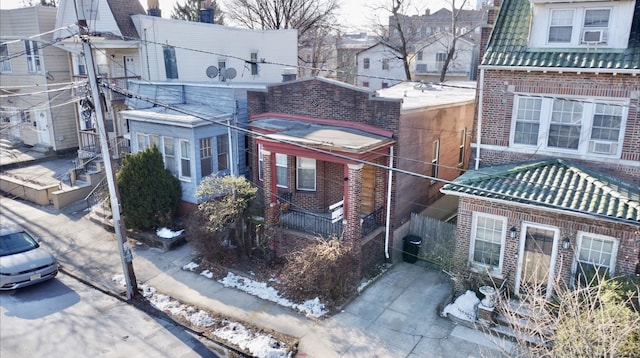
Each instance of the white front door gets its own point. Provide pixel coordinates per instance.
(538, 250)
(42, 127)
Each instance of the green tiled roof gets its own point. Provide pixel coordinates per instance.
(555, 184)
(508, 45)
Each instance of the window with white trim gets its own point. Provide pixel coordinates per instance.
(143, 141)
(366, 63)
(206, 157)
(306, 174)
(5, 61)
(579, 26)
(222, 148)
(32, 53)
(434, 159)
(281, 170)
(254, 63)
(185, 159)
(461, 149)
(260, 162)
(568, 125)
(169, 154)
(154, 141)
(487, 241)
(594, 254)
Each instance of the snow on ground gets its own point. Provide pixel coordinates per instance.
(259, 344)
(313, 308)
(167, 233)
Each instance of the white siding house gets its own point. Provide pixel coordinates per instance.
(379, 67)
(430, 54)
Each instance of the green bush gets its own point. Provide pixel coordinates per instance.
(149, 193)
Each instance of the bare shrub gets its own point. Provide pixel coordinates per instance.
(214, 246)
(324, 269)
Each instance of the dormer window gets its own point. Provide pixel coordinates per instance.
(580, 24)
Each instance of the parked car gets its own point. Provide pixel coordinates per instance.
(22, 261)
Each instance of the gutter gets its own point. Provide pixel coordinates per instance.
(388, 219)
(633, 72)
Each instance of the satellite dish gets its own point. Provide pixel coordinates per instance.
(231, 73)
(212, 71)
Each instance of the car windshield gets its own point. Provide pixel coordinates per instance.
(16, 243)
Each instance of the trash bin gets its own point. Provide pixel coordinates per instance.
(411, 248)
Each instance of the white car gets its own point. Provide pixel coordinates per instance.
(22, 261)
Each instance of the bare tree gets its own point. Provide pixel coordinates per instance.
(408, 34)
(190, 10)
(316, 51)
(29, 3)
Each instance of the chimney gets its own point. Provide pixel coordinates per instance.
(427, 12)
(153, 8)
(288, 74)
(206, 12)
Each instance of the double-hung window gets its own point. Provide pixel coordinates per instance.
(595, 29)
(306, 174)
(170, 62)
(579, 26)
(595, 254)
(461, 149)
(169, 153)
(222, 148)
(366, 63)
(561, 26)
(206, 158)
(281, 170)
(143, 141)
(487, 241)
(5, 62)
(568, 125)
(33, 56)
(185, 159)
(434, 159)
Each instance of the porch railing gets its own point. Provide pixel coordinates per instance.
(372, 221)
(90, 145)
(320, 224)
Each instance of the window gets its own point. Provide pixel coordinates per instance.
(154, 141)
(385, 84)
(365, 63)
(419, 55)
(5, 62)
(365, 83)
(421, 67)
(80, 67)
(254, 63)
(434, 160)
(385, 63)
(222, 147)
(566, 122)
(260, 162)
(168, 151)
(306, 176)
(33, 56)
(487, 241)
(281, 170)
(568, 125)
(170, 62)
(185, 159)
(441, 57)
(222, 67)
(143, 141)
(206, 158)
(595, 254)
(595, 26)
(463, 142)
(561, 26)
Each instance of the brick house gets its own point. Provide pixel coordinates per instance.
(321, 151)
(554, 194)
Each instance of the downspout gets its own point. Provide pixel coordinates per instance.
(388, 220)
(146, 52)
(232, 143)
(478, 138)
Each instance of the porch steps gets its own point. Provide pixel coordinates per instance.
(7, 143)
(44, 149)
(520, 323)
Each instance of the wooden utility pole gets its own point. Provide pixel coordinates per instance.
(118, 225)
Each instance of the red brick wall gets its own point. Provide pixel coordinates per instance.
(568, 225)
(497, 112)
(418, 130)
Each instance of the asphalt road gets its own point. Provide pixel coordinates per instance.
(65, 318)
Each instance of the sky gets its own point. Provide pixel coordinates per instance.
(354, 14)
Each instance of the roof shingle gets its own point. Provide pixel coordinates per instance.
(555, 184)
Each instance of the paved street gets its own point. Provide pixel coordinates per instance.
(394, 317)
(65, 318)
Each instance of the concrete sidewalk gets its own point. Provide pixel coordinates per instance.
(394, 317)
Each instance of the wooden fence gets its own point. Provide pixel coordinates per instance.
(438, 239)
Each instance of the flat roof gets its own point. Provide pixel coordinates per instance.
(422, 94)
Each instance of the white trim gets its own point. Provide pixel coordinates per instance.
(180, 156)
(614, 252)
(632, 72)
(472, 242)
(298, 168)
(554, 254)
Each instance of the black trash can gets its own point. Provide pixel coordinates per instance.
(411, 248)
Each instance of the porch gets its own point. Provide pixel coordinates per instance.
(90, 145)
(321, 224)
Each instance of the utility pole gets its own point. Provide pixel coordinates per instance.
(118, 225)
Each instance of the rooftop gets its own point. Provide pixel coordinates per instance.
(555, 184)
(419, 95)
(508, 45)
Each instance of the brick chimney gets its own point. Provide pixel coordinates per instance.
(206, 12)
(153, 8)
(485, 33)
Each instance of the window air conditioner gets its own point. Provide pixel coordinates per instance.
(598, 147)
(592, 36)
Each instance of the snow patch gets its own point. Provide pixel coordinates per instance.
(464, 307)
(167, 233)
(191, 266)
